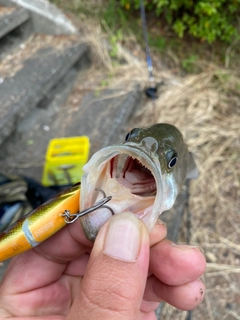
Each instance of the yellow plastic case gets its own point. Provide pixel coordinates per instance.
(65, 158)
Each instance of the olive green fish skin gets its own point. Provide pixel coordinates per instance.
(163, 140)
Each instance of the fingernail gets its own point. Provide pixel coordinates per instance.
(202, 278)
(161, 222)
(187, 247)
(123, 238)
(198, 248)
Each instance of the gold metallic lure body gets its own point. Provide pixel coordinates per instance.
(40, 224)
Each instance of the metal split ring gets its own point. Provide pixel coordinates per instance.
(70, 218)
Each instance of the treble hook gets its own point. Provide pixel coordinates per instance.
(70, 218)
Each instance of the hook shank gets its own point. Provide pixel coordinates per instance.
(70, 218)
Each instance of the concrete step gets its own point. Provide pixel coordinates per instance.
(15, 27)
(29, 75)
(11, 18)
(45, 16)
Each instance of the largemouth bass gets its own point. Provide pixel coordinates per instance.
(144, 175)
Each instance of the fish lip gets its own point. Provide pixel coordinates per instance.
(147, 159)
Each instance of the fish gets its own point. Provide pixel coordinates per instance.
(40, 224)
(143, 175)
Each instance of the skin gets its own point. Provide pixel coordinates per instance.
(69, 277)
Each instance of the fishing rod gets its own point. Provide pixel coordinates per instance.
(151, 91)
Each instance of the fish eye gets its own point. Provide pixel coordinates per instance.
(132, 134)
(127, 136)
(172, 162)
(172, 159)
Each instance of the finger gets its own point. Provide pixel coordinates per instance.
(30, 271)
(148, 316)
(158, 233)
(176, 264)
(66, 245)
(115, 278)
(37, 290)
(184, 297)
(78, 266)
(149, 306)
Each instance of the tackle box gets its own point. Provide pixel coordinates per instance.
(64, 160)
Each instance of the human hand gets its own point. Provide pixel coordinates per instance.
(127, 274)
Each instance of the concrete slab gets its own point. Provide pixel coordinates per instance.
(12, 20)
(32, 82)
(47, 18)
(15, 29)
(102, 116)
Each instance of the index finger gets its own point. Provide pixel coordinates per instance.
(66, 245)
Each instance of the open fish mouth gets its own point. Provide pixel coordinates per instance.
(131, 176)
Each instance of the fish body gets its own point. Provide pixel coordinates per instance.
(39, 225)
(143, 174)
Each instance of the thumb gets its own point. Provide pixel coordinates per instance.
(115, 278)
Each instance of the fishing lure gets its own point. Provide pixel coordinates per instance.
(43, 222)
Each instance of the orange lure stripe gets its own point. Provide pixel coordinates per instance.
(39, 224)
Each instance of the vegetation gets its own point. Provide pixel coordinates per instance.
(208, 20)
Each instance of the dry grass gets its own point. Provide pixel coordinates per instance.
(206, 110)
